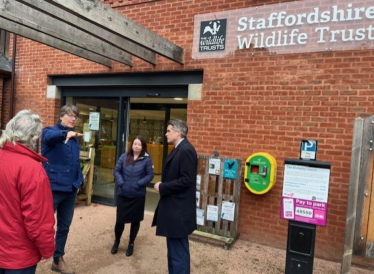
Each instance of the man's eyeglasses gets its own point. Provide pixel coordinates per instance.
(71, 116)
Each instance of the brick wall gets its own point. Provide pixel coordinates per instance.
(249, 104)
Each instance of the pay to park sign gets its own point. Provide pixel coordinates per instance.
(305, 191)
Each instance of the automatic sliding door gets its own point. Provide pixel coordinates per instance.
(102, 137)
(105, 159)
(151, 125)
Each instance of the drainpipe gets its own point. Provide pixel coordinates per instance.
(13, 77)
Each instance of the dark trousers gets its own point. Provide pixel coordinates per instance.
(63, 204)
(134, 229)
(178, 255)
(28, 270)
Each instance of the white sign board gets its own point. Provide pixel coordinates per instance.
(212, 213)
(94, 121)
(228, 211)
(305, 193)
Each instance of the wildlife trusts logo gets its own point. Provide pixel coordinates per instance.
(212, 35)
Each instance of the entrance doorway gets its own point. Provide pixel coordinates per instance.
(119, 121)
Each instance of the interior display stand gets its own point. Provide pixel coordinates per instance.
(87, 163)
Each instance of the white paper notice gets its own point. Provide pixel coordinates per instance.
(308, 183)
(94, 120)
(197, 198)
(198, 182)
(288, 209)
(87, 136)
(228, 211)
(199, 216)
(214, 166)
(212, 213)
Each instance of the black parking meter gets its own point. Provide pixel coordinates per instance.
(300, 248)
(304, 204)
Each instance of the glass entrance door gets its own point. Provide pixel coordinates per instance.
(151, 125)
(112, 132)
(150, 121)
(99, 123)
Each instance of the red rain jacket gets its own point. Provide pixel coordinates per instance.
(26, 208)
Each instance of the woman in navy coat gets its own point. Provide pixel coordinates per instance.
(175, 216)
(133, 171)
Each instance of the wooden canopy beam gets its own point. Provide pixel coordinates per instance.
(52, 42)
(92, 29)
(34, 19)
(93, 11)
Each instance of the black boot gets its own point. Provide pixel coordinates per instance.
(115, 247)
(130, 250)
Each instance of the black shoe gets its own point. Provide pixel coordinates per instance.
(115, 247)
(130, 250)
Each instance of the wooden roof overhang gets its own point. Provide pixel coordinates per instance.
(85, 28)
(5, 62)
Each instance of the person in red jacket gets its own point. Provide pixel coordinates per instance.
(26, 219)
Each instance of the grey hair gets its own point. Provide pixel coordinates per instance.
(179, 125)
(68, 109)
(24, 128)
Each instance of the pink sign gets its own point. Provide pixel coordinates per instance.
(305, 193)
(305, 211)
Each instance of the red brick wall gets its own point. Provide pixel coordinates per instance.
(262, 104)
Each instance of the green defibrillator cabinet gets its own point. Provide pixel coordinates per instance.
(260, 172)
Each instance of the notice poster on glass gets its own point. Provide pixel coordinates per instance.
(228, 211)
(94, 121)
(87, 136)
(305, 191)
(212, 213)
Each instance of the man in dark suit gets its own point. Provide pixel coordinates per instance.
(175, 215)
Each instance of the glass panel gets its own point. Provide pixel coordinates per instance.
(105, 159)
(149, 124)
(177, 113)
(103, 139)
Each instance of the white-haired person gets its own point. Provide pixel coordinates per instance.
(26, 220)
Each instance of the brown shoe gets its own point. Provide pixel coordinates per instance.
(61, 267)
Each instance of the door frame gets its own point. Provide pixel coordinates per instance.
(126, 85)
(358, 244)
(158, 106)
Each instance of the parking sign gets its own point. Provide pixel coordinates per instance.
(308, 150)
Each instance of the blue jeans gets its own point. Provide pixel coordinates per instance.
(28, 270)
(63, 204)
